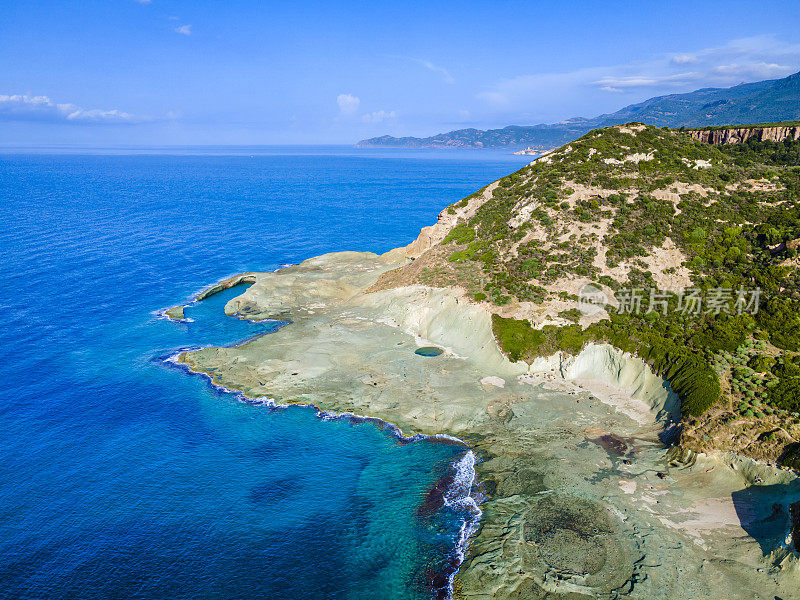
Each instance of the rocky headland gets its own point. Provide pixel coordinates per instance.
(584, 492)
(760, 102)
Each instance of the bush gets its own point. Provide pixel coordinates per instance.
(460, 234)
(517, 339)
(691, 377)
(573, 314)
(761, 363)
(724, 334)
(786, 394)
(781, 317)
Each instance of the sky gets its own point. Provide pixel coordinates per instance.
(169, 72)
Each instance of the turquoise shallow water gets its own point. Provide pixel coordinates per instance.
(124, 477)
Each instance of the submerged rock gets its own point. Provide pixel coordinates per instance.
(176, 312)
(612, 443)
(579, 545)
(794, 516)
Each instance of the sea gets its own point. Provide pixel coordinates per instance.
(125, 477)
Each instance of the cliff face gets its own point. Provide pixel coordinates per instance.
(737, 135)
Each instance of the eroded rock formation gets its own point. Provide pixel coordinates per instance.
(737, 135)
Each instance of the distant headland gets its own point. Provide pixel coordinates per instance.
(762, 101)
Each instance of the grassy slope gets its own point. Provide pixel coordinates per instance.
(729, 237)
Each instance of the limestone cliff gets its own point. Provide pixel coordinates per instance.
(640, 207)
(737, 135)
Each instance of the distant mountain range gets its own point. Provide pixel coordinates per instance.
(760, 102)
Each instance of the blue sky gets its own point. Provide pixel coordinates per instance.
(163, 72)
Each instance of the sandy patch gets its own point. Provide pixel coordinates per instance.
(623, 402)
(494, 380)
(698, 163)
(633, 158)
(705, 516)
(756, 185)
(667, 257)
(632, 130)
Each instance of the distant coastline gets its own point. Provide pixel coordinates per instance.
(761, 102)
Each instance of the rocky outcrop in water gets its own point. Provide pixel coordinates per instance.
(794, 514)
(738, 135)
(226, 284)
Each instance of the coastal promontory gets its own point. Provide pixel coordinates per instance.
(621, 443)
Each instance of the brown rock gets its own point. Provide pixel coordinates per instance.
(737, 135)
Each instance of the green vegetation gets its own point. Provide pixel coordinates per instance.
(732, 211)
(690, 374)
(786, 153)
(573, 314)
(461, 234)
(517, 338)
(785, 393)
(721, 231)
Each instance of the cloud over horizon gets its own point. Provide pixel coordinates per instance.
(739, 61)
(348, 104)
(21, 107)
(379, 116)
(446, 77)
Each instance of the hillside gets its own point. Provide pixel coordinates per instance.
(633, 212)
(763, 101)
(510, 328)
(513, 136)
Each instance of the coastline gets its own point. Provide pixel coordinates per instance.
(460, 495)
(431, 315)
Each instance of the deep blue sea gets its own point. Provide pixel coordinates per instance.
(123, 477)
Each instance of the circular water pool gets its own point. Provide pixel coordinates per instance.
(428, 351)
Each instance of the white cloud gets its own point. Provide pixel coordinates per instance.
(684, 59)
(378, 116)
(526, 91)
(20, 107)
(754, 71)
(143, 1)
(348, 104)
(616, 84)
(446, 77)
(184, 30)
(740, 60)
